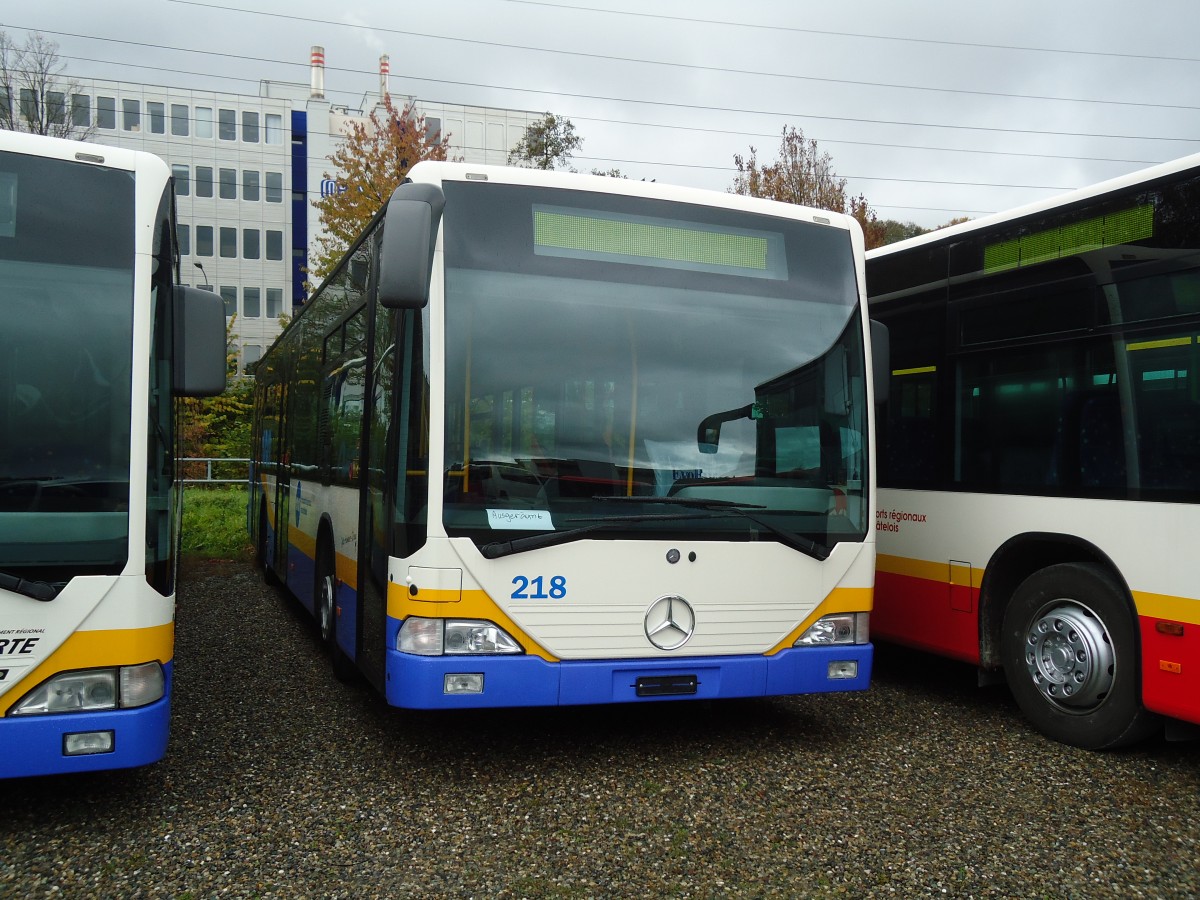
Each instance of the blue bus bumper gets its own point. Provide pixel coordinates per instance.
(36, 745)
(419, 682)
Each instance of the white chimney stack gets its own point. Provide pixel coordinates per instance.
(318, 73)
(385, 69)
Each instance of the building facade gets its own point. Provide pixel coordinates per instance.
(247, 169)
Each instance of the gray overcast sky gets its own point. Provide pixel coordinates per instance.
(931, 108)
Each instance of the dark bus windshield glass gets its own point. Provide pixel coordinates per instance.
(603, 348)
(66, 325)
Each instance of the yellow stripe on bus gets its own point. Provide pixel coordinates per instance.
(1155, 345)
(96, 649)
(925, 569)
(1164, 606)
(1156, 606)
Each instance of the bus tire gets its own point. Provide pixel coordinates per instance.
(260, 548)
(326, 611)
(1071, 658)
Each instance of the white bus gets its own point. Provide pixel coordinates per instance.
(94, 340)
(1040, 453)
(552, 439)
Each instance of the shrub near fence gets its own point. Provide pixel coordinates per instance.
(214, 508)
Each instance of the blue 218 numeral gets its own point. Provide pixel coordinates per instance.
(534, 588)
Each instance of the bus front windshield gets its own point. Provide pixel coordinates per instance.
(66, 325)
(644, 368)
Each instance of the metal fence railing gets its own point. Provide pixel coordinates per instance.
(213, 470)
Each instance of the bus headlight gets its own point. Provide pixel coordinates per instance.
(95, 690)
(842, 628)
(453, 637)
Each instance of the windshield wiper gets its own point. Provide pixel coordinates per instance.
(36, 590)
(496, 549)
(733, 508)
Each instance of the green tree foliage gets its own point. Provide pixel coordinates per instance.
(804, 175)
(218, 427)
(894, 231)
(547, 144)
(373, 159)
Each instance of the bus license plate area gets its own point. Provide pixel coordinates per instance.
(666, 685)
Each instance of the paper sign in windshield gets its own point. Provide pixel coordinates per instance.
(528, 519)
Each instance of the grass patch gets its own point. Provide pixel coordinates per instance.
(214, 522)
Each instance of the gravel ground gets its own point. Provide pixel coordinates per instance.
(282, 782)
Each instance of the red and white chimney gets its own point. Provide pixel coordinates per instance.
(385, 70)
(317, 64)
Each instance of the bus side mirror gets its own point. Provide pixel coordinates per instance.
(708, 433)
(199, 342)
(881, 361)
(406, 253)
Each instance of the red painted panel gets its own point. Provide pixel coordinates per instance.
(917, 612)
(1170, 670)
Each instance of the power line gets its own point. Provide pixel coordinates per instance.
(852, 34)
(693, 67)
(657, 103)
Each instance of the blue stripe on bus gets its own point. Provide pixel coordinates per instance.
(415, 682)
(33, 745)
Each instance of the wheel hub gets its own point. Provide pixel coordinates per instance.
(1069, 656)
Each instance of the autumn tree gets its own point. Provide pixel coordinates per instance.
(547, 143)
(803, 174)
(218, 427)
(33, 90)
(372, 160)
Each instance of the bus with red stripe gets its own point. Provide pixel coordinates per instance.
(1039, 460)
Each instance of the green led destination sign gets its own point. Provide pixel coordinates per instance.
(1111, 230)
(667, 243)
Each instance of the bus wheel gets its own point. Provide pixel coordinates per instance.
(1070, 652)
(260, 548)
(326, 609)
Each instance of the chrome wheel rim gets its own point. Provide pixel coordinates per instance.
(325, 608)
(1069, 656)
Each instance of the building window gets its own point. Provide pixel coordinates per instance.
(251, 353)
(106, 112)
(158, 117)
(251, 243)
(204, 181)
(274, 302)
(228, 184)
(229, 295)
(204, 121)
(274, 187)
(204, 240)
(131, 115)
(274, 244)
(56, 107)
(250, 179)
(181, 175)
(183, 239)
(252, 302)
(433, 129)
(179, 119)
(5, 107)
(227, 124)
(205, 287)
(29, 106)
(228, 238)
(250, 127)
(81, 110)
(274, 128)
